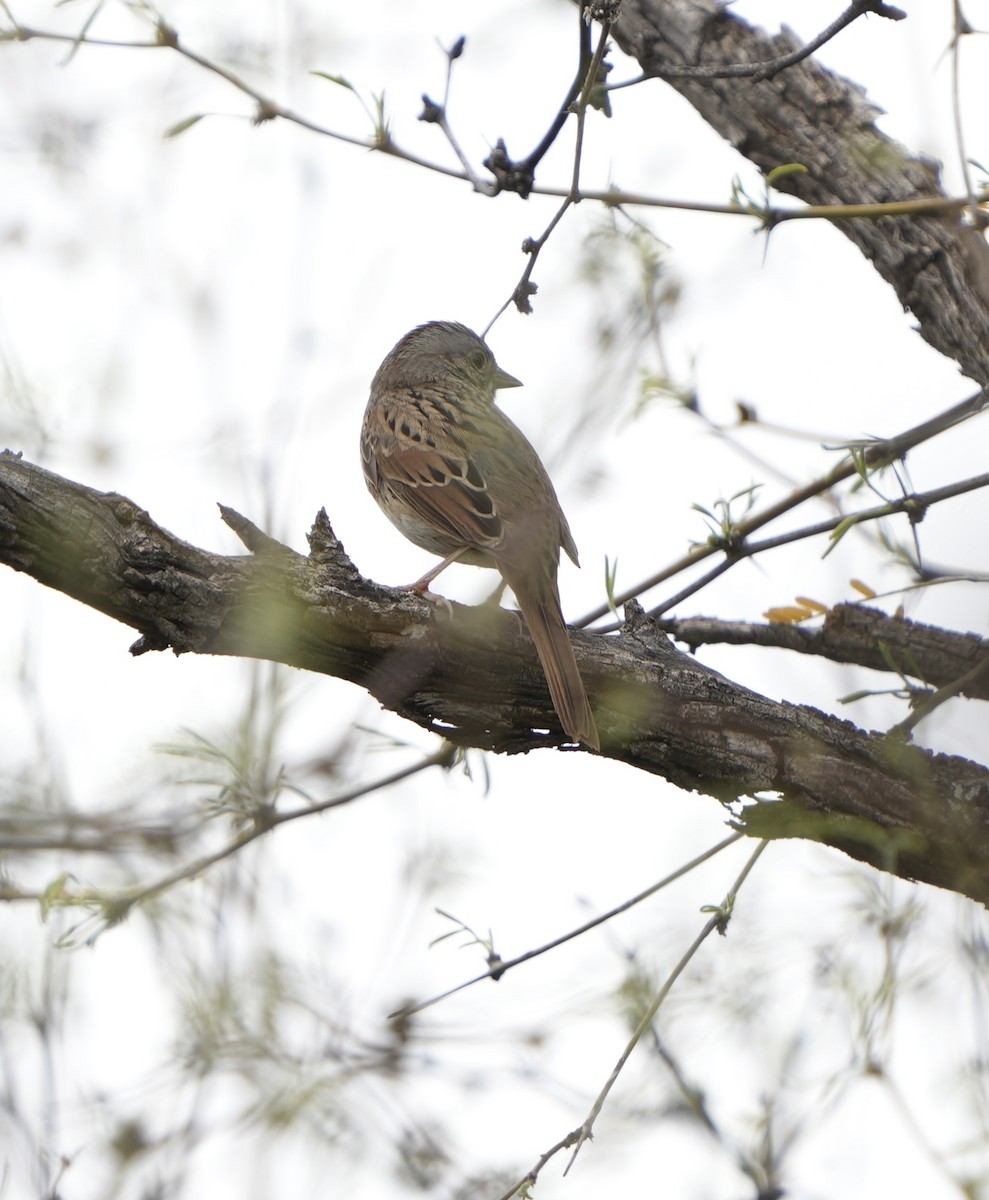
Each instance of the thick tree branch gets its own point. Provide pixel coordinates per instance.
(473, 677)
(866, 637)
(938, 266)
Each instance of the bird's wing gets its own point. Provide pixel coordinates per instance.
(441, 484)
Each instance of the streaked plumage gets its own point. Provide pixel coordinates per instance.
(459, 479)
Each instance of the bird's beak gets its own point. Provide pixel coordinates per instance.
(503, 379)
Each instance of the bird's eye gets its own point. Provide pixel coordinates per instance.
(478, 359)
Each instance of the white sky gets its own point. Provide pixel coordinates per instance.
(197, 320)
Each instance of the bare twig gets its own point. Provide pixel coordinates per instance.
(115, 906)
(924, 709)
(772, 67)
(874, 453)
(268, 109)
(915, 505)
(933, 206)
(961, 28)
(500, 968)
(527, 1181)
(720, 916)
(518, 176)
(532, 246)
(436, 114)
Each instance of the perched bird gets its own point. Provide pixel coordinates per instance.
(459, 479)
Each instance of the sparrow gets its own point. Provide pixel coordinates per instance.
(461, 480)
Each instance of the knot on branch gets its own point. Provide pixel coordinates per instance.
(432, 113)
(511, 176)
(326, 548)
(646, 630)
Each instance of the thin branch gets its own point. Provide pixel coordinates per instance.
(518, 176)
(498, 969)
(924, 709)
(874, 453)
(961, 28)
(115, 906)
(436, 114)
(769, 217)
(528, 1181)
(532, 247)
(268, 820)
(269, 109)
(91, 835)
(915, 505)
(532, 160)
(718, 921)
(767, 70)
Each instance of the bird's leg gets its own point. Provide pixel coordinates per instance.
(494, 600)
(422, 585)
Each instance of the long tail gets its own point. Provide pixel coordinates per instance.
(541, 608)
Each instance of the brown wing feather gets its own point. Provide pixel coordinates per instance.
(443, 488)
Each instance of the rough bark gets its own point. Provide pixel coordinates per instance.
(472, 676)
(865, 637)
(938, 265)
